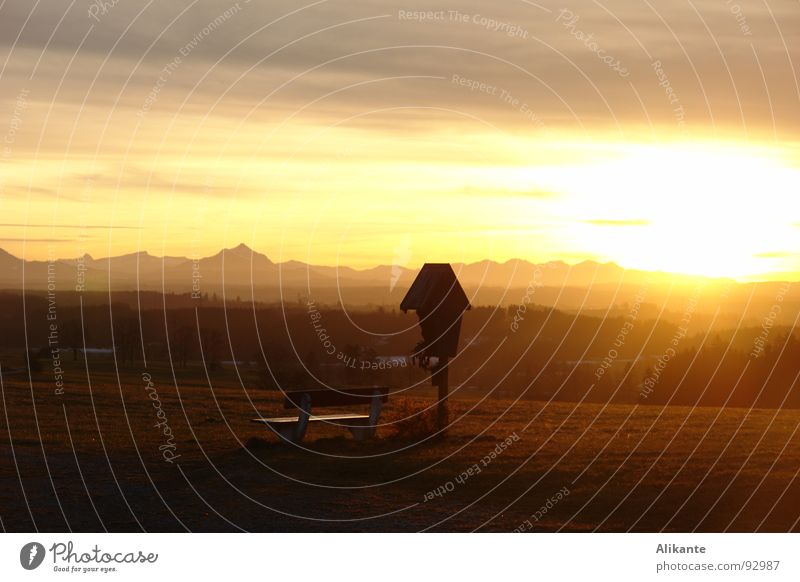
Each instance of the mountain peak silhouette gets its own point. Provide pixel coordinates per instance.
(243, 252)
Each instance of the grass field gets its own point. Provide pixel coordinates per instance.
(89, 460)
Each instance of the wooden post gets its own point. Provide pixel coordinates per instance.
(439, 378)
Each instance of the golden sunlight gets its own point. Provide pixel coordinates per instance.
(699, 208)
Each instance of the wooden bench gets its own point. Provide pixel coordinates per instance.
(362, 426)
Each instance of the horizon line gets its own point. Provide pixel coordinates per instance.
(242, 246)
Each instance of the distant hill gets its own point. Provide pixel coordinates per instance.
(241, 272)
(242, 265)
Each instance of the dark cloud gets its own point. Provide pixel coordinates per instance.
(721, 69)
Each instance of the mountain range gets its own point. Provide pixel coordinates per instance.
(247, 274)
(241, 265)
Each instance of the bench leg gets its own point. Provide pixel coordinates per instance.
(296, 432)
(287, 432)
(302, 419)
(362, 433)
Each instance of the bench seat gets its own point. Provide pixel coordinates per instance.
(361, 426)
(333, 418)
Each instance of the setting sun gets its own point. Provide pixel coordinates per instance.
(686, 208)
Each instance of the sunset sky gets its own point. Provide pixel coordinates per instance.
(660, 136)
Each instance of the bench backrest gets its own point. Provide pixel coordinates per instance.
(335, 396)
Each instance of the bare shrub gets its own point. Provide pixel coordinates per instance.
(409, 419)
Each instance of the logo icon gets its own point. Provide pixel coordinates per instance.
(31, 555)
